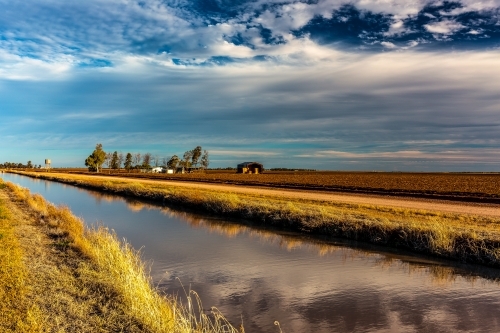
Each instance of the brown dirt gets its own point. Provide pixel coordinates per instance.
(467, 185)
(491, 210)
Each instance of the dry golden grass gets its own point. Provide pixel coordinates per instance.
(17, 313)
(96, 283)
(464, 237)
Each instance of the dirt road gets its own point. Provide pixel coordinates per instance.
(491, 210)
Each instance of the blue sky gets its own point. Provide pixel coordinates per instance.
(359, 85)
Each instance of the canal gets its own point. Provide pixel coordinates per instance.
(309, 285)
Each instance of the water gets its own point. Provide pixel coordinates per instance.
(307, 285)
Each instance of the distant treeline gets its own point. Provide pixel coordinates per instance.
(192, 159)
(227, 168)
(10, 165)
(287, 169)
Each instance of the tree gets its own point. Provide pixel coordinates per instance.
(186, 159)
(96, 159)
(156, 160)
(29, 165)
(146, 160)
(120, 159)
(115, 161)
(204, 160)
(195, 155)
(137, 159)
(173, 162)
(128, 162)
(107, 160)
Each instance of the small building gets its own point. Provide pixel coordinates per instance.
(250, 167)
(158, 170)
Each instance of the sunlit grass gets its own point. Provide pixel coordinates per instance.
(17, 314)
(115, 264)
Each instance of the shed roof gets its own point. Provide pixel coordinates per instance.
(247, 164)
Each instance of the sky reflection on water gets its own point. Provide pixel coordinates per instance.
(309, 285)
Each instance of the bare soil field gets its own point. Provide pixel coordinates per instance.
(469, 187)
(364, 198)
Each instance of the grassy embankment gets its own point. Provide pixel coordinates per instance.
(466, 238)
(17, 314)
(58, 276)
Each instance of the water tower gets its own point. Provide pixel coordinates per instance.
(47, 164)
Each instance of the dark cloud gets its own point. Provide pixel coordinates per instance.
(186, 29)
(219, 10)
(268, 38)
(348, 25)
(435, 26)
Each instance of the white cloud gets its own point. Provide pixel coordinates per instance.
(93, 115)
(445, 27)
(474, 32)
(396, 28)
(412, 43)
(15, 67)
(388, 45)
(224, 48)
(479, 155)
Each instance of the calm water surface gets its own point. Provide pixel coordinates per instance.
(307, 285)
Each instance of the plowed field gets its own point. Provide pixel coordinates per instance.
(454, 186)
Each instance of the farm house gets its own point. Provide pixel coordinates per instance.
(250, 167)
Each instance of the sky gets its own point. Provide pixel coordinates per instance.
(384, 85)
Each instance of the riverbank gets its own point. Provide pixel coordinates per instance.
(464, 237)
(58, 276)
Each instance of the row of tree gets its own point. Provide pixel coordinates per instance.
(191, 158)
(197, 158)
(10, 165)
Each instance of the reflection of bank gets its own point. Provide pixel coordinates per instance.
(441, 272)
